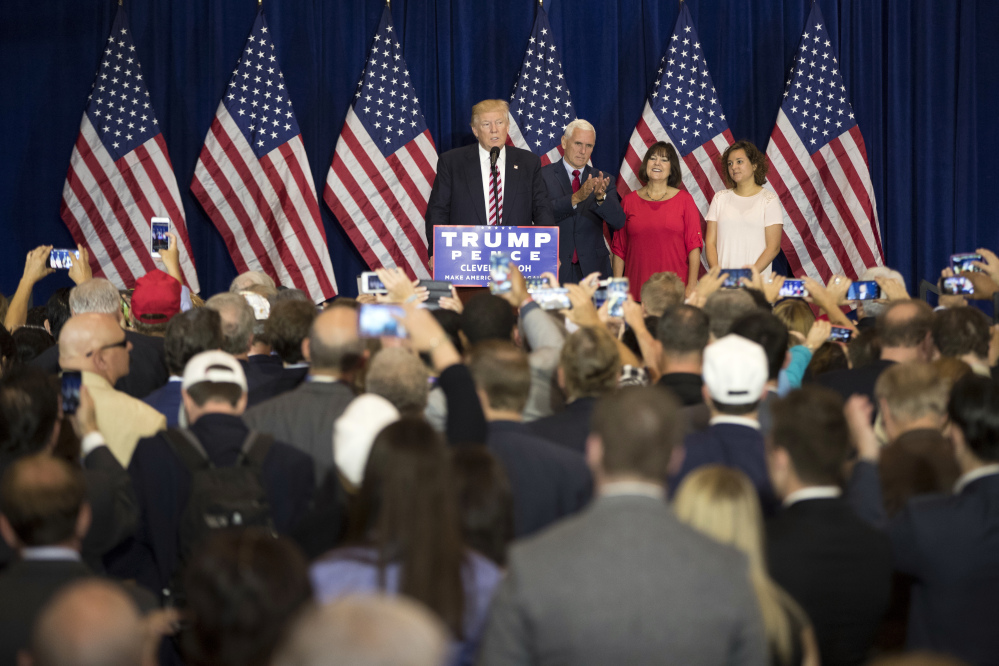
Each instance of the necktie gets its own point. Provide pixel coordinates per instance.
(495, 198)
(575, 188)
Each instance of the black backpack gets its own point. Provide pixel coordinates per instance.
(221, 497)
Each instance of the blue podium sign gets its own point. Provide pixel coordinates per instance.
(461, 253)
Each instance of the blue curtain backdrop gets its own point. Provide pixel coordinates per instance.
(921, 75)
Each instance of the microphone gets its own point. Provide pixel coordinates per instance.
(493, 156)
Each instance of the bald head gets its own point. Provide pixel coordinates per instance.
(93, 623)
(906, 324)
(399, 376)
(91, 342)
(333, 346)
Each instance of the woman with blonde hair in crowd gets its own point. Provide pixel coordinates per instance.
(722, 503)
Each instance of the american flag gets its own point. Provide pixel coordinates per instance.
(541, 105)
(120, 174)
(253, 176)
(683, 110)
(385, 163)
(818, 166)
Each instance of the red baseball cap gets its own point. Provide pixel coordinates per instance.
(156, 298)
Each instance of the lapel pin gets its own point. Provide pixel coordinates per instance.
(515, 166)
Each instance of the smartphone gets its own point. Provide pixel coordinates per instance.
(957, 285)
(552, 299)
(599, 297)
(535, 283)
(378, 320)
(436, 289)
(70, 391)
(60, 259)
(793, 289)
(159, 228)
(840, 334)
(499, 271)
(372, 284)
(735, 275)
(617, 294)
(961, 263)
(863, 291)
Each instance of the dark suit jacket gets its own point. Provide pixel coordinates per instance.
(146, 370)
(949, 545)
(25, 588)
(859, 380)
(167, 401)
(114, 512)
(838, 568)
(263, 386)
(685, 385)
(624, 582)
(304, 417)
(568, 428)
(163, 485)
(738, 446)
(581, 228)
(457, 195)
(547, 482)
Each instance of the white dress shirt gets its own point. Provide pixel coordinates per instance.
(812, 492)
(974, 475)
(484, 166)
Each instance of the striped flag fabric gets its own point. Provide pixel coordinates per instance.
(385, 163)
(541, 105)
(682, 109)
(819, 168)
(253, 177)
(120, 175)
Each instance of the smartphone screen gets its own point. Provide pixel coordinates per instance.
(961, 263)
(499, 271)
(957, 286)
(159, 228)
(792, 289)
(371, 284)
(535, 283)
(70, 391)
(378, 320)
(735, 275)
(863, 291)
(552, 299)
(617, 294)
(599, 297)
(840, 334)
(60, 259)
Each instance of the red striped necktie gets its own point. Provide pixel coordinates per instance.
(495, 202)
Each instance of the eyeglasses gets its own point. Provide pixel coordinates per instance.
(123, 343)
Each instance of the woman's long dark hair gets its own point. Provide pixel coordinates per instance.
(407, 510)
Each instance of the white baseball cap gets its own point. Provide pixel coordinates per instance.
(735, 370)
(214, 366)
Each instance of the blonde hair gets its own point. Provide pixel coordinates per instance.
(796, 315)
(722, 503)
(489, 106)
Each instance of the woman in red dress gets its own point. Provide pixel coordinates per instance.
(662, 229)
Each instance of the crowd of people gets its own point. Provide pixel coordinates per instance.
(709, 480)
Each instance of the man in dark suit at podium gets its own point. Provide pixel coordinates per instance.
(488, 183)
(582, 199)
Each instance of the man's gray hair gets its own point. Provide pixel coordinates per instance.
(872, 309)
(581, 124)
(250, 278)
(400, 377)
(237, 321)
(96, 295)
(724, 307)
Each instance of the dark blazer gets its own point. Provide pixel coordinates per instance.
(581, 229)
(838, 568)
(304, 417)
(146, 370)
(25, 588)
(269, 364)
(114, 512)
(568, 428)
(850, 381)
(685, 385)
(162, 485)
(738, 446)
(167, 401)
(547, 482)
(624, 582)
(457, 195)
(263, 386)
